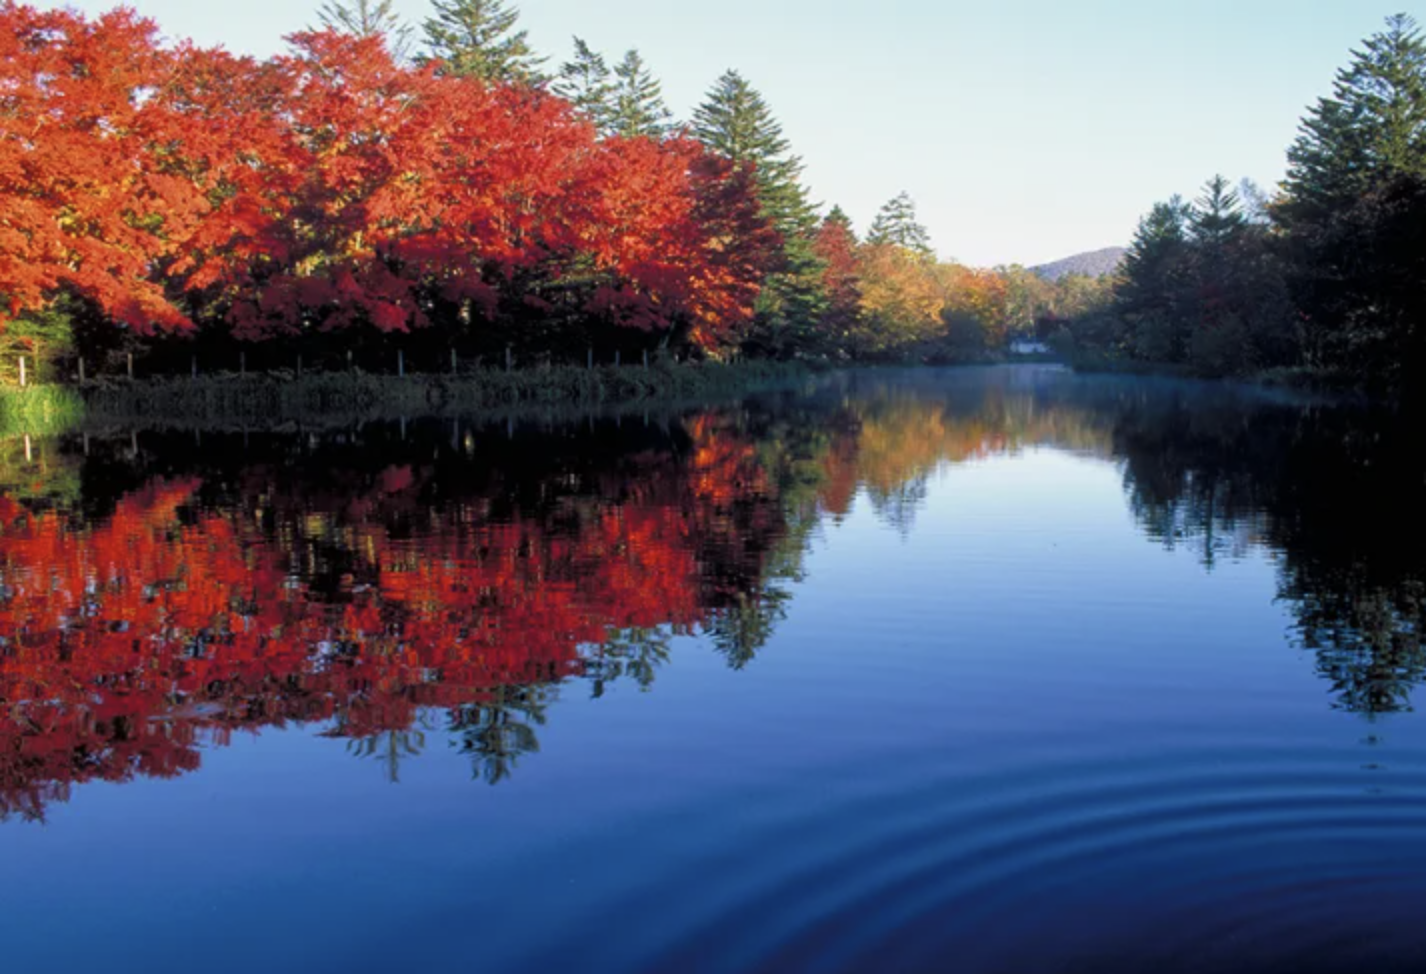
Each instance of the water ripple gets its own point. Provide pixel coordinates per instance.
(1274, 859)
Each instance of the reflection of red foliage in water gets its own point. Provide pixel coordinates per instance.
(125, 644)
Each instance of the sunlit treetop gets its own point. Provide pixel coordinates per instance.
(477, 38)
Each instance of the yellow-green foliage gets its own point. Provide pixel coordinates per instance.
(39, 410)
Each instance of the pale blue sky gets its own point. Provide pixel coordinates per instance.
(1025, 131)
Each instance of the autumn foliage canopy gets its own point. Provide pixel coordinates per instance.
(178, 188)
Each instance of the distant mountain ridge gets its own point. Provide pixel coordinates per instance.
(1095, 263)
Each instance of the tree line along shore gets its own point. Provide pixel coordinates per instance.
(380, 200)
(1319, 282)
(373, 200)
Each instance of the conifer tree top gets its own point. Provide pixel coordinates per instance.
(1217, 216)
(1371, 127)
(1166, 223)
(638, 108)
(897, 224)
(367, 18)
(736, 122)
(478, 38)
(626, 101)
(584, 82)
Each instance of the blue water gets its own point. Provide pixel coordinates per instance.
(1117, 690)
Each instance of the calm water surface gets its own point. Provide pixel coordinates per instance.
(978, 671)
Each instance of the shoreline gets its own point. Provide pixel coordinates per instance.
(270, 400)
(1295, 378)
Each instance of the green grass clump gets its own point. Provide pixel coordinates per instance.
(39, 410)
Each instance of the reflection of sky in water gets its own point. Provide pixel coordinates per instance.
(1031, 565)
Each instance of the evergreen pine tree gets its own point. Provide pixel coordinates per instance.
(477, 38)
(1370, 130)
(1149, 294)
(896, 224)
(1216, 219)
(1355, 185)
(368, 18)
(1202, 287)
(584, 83)
(638, 107)
(1160, 235)
(736, 122)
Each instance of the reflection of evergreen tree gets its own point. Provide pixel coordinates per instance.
(1367, 639)
(497, 732)
(1186, 480)
(791, 450)
(390, 748)
(740, 630)
(1335, 494)
(634, 654)
(898, 506)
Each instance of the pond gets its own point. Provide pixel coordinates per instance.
(983, 670)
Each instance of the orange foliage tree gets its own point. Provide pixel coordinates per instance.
(901, 300)
(331, 187)
(836, 246)
(90, 199)
(976, 306)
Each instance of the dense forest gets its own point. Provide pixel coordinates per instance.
(445, 194)
(1321, 280)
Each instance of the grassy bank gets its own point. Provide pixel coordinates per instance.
(39, 410)
(259, 400)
